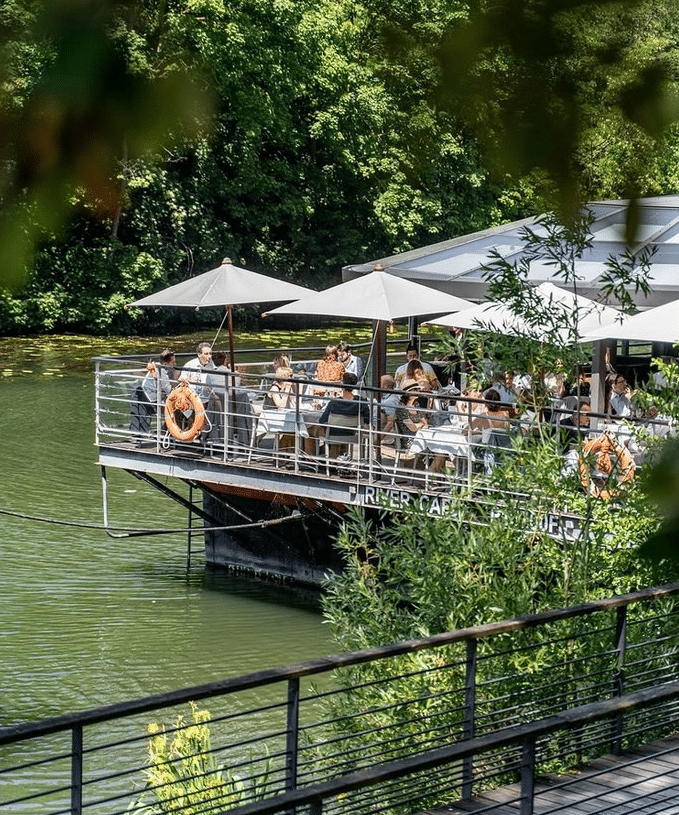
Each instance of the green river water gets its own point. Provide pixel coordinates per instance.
(87, 620)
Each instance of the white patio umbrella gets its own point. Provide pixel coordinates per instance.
(499, 318)
(224, 287)
(659, 324)
(378, 296)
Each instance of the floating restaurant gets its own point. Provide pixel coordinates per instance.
(269, 484)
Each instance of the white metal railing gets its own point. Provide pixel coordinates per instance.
(450, 441)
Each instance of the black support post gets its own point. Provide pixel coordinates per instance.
(292, 739)
(527, 776)
(77, 770)
(469, 716)
(617, 725)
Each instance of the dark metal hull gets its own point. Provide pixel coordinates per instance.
(271, 535)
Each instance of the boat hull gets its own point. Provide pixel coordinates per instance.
(272, 535)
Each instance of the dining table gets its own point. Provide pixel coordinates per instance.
(447, 439)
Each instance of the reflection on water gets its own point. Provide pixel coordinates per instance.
(88, 620)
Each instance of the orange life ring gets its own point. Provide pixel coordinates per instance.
(603, 448)
(183, 399)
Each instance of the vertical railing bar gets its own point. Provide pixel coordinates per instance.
(620, 646)
(298, 439)
(316, 807)
(292, 735)
(527, 776)
(469, 715)
(77, 770)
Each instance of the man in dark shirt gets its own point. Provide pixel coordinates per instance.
(346, 405)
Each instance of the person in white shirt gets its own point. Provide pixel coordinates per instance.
(619, 402)
(352, 364)
(197, 373)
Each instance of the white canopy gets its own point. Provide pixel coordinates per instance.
(660, 324)
(375, 296)
(227, 285)
(224, 287)
(568, 308)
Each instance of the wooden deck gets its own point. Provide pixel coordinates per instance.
(643, 781)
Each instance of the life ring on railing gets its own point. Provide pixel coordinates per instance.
(604, 449)
(180, 404)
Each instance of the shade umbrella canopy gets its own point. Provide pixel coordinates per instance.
(377, 296)
(224, 287)
(660, 324)
(495, 317)
(227, 285)
(500, 319)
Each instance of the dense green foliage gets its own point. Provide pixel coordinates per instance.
(531, 537)
(160, 137)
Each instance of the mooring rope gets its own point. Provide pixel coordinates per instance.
(131, 531)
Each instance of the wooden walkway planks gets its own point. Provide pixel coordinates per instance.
(644, 781)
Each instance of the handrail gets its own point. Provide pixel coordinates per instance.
(320, 665)
(575, 717)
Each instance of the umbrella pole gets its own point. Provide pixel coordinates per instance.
(232, 357)
(380, 351)
(233, 431)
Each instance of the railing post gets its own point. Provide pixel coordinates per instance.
(619, 677)
(292, 739)
(527, 776)
(469, 715)
(77, 770)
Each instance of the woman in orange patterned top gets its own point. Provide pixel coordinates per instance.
(328, 369)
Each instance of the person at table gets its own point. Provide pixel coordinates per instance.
(410, 417)
(352, 363)
(149, 393)
(345, 405)
(234, 397)
(280, 393)
(388, 403)
(493, 424)
(220, 377)
(328, 369)
(575, 428)
(502, 383)
(197, 371)
(619, 402)
(412, 353)
(492, 416)
(415, 375)
(656, 424)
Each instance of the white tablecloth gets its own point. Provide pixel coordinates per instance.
(287, 420)
(447, 439)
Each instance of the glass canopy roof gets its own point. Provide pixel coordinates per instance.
(454, 266)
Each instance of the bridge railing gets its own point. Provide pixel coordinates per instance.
(393, 729)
